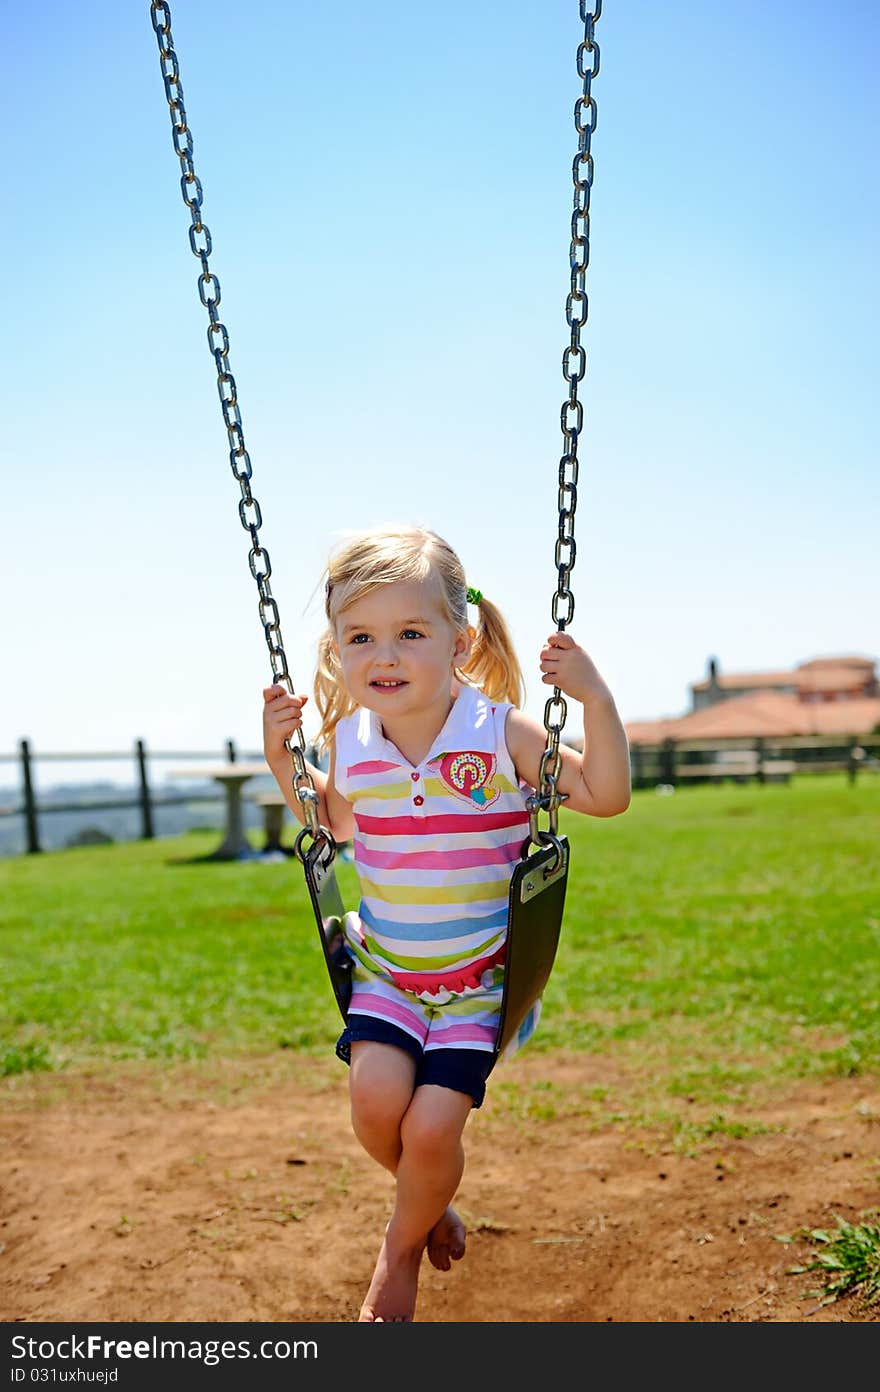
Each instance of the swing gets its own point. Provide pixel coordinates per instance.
(536, 898)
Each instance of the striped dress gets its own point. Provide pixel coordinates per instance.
(435, 846)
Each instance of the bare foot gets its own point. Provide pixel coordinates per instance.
(391, 1298)
(446, 1241)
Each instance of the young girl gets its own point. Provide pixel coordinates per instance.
(430, 764)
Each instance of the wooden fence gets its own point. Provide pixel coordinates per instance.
(673, 763)
(682, 762)
(145, 798)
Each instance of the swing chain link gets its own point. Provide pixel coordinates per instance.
(574, 366)
(218, 342)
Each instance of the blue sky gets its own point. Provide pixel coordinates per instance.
(388, 190)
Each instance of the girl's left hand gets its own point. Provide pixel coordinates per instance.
(568, 666)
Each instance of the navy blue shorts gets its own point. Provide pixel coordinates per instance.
(462, 1070)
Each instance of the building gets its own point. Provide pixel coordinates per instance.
(824, 696)
(822, 679)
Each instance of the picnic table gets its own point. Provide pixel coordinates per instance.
(232, 776)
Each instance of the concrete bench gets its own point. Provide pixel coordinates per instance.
(741, 765)
(733, 763)
(778, 770)
(274, 806)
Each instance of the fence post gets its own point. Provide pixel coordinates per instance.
(759, 758)
(636, 761)
(855, 754)
(230, 751)
(30, 802)
(669, 761)
(146, 806)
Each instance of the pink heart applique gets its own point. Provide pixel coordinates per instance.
(468, 774)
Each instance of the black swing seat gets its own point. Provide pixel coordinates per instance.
(535, 905)
(329, 912)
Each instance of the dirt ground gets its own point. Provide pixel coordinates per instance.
(236, 1192)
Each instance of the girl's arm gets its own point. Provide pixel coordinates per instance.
(597, 782)
(282, 717)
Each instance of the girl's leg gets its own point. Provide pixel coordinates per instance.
(381, 1090)
(429, 1170)
(381, 1084)
(432, 1161)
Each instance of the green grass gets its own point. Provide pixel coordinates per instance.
(714, 938)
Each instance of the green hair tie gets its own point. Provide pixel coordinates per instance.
(474, 596)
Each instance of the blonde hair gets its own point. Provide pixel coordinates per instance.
(371, 559)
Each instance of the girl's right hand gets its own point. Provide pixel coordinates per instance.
(282, 717)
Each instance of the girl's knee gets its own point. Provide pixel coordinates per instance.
(428, 1131)
(380, 1084)
(377, 1104)
(374, 1112)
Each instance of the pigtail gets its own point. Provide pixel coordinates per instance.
(493, 665)
(331, 698)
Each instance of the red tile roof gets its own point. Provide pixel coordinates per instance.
(767, 714)
(867, 664)
(820, 673)
(745, 680)
(831, 678)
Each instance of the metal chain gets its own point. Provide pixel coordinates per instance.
(218, 342)
(572, 414)
(574, 365)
